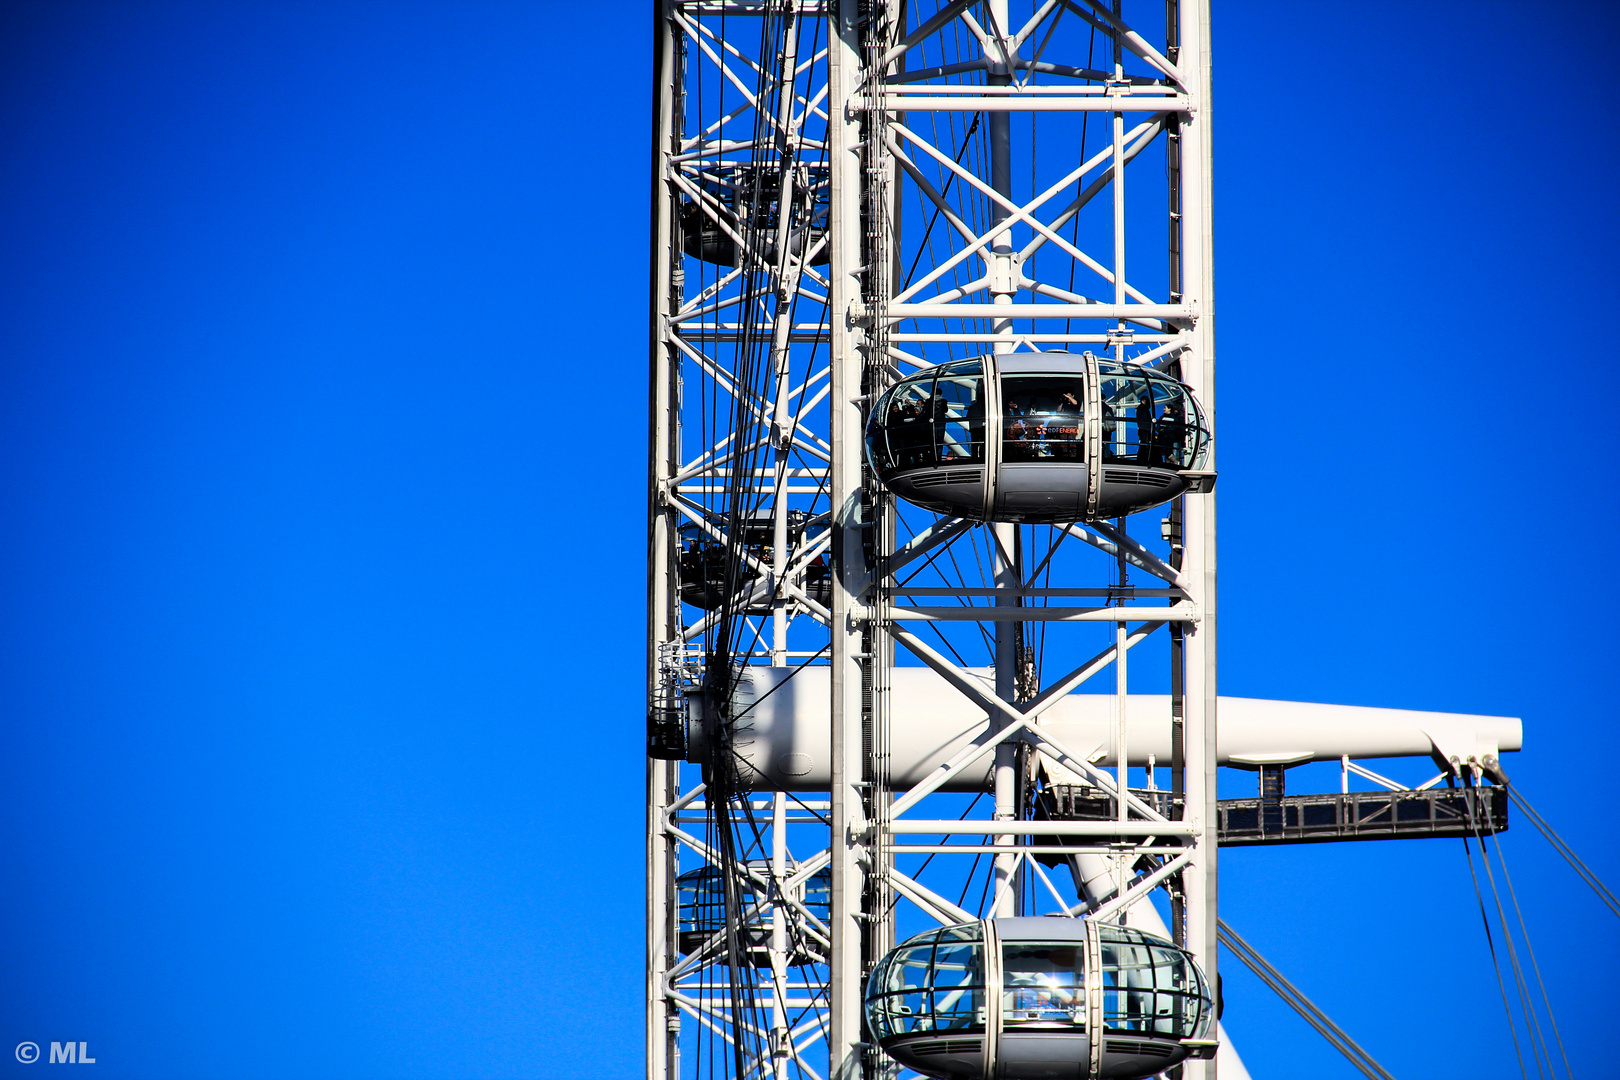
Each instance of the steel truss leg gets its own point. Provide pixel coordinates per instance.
(848, 847)
(857, 332)
(1198, 370)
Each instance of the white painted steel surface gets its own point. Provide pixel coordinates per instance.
(1095, 873)
(788, 729)
(867, 106)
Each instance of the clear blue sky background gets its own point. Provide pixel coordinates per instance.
(322, 342)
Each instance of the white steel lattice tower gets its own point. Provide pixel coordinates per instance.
(847, 193)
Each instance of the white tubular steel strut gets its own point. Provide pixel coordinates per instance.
(845, 191)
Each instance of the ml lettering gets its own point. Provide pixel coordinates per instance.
(71, 1053)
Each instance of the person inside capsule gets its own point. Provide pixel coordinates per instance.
(1044, 418)
(927, 431)
(1169, 429)
(1147, 989)
(959, 415)
(1043, 984)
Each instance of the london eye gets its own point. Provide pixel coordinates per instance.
(933, 720)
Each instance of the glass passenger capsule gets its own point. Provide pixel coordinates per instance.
(745, 198)
(703, 561)
(700, 896)
(1037, 437)
(1016, 991)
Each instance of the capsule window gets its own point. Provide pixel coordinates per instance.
(958, 985)
(958, 414)
(1150, 989)
(1179, 438)
(702, 897)
(1043, 418)
(1043, 984)
(909, 424)
(910, 969)
(935, 983)
(1127, 417)
(907, 982)
(1058, 410)
(1169, 447)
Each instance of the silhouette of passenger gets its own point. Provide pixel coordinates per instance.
(1171, 436)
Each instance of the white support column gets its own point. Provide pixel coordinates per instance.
(779, 938)
(1119, 204)
(1008, 573)
(847, 846)
(663, 1024)
(786, 283)
(1198, 370)
(1122, 753)
(720, 333)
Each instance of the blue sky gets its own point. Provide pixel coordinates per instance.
(321, 496)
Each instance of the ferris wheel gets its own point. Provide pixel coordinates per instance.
(932, 719)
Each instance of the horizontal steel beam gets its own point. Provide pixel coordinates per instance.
(895, 312)
(750, 7)
(1129, 592)
(1376, 815)
(1078, 339)
(1009, 613)
(1098, 847)
(921, 827)
(1030, 104)
(1158, 90)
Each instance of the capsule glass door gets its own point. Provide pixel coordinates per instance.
(1043, 447)
(958, 409)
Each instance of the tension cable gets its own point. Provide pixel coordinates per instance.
(1535, 965)
(1496, 963)
(1561, 847)
(1333, 1033)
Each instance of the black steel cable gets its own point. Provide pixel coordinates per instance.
(1301, 1004)
(1080, 181)
(1532, 1023)
(792, 448)
(721, 835)
(989, 876)
(1316, 1025)
(797, 943)
(729, 827)
(928, 562)
(1562, 848)
(1046, 601)
(961, 817)
(798, 668)
(985, 579)
(945, 641)
(943, 193)
(749, 371)
(1535, 966)
(1496, 962)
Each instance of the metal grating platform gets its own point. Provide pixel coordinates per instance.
(1310, 819)
(1362, 815)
